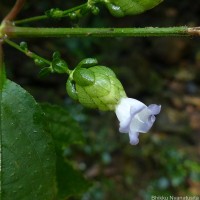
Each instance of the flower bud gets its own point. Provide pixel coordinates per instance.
(95, 87)
(54, 13)
(59, 66)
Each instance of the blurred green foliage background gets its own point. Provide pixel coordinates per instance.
(165, 71)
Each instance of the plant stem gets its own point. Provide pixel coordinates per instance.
(26, 32)
(26, 51)
(35, 56)
(1, 87)
(42, 17)
(15, 10)
(2, 67)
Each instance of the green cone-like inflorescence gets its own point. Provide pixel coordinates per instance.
(95, 87)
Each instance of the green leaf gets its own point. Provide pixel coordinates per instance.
(87, 62)
(71, 90)
(2, 75)
(70, 181)
(121, 8)
(27, 152)
(83, 77)
(64, 129)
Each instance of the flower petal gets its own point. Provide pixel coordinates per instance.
(152, 119)
(135, 117)
(142, 121)
(133, 137)
(155, 109)
(125, 110)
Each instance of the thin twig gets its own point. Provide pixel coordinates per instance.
(14, 11)
(26, 51)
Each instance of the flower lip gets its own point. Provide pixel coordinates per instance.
(155, 109)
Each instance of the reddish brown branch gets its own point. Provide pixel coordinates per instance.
(15, 10)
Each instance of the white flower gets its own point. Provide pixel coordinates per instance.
(135, 117)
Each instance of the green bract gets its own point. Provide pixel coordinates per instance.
(120, 8)
(95, 87)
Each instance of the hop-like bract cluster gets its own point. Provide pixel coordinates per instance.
(95, 87)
